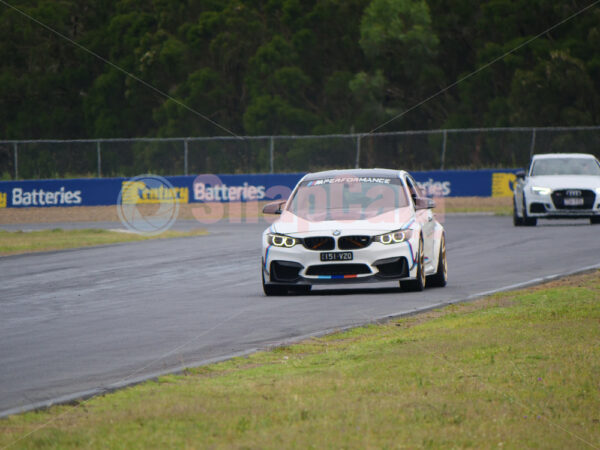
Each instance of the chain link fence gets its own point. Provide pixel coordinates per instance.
(410, 150)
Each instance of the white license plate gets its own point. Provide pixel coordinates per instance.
(573, 201)
(336, 256)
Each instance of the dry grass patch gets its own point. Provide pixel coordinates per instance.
(494, 205)
(212, 212)
(18, 242)
(251, 211)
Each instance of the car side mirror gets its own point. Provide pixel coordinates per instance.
(273, 208)
(520, 175)
(424, 203)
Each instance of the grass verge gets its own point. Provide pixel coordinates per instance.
(499, 206)
(18, 242)
(517, 370)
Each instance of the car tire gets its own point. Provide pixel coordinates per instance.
(440, 278)
(418, 284)
(273, 289)
(517, 221)
(528, 221)
(595, 220)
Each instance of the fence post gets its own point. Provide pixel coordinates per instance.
(185, 156)
(532, 147)
(99, 155)
(16, 161)
(444, 142)
(357, 164)
(271, 154)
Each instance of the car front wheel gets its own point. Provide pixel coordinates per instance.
(441, 276)
(418, 284)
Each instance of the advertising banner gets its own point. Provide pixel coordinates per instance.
(225, 188)
(467, 183)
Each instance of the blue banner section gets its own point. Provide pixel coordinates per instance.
(467, 183)
(226, 188)
(235, 188)
(49, 193)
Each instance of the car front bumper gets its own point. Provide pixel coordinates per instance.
(375, 263)
(547, 206)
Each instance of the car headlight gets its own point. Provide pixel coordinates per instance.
(393, 237)
(598, 190)
(541, 190)
(281, 240)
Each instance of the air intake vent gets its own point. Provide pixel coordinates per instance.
(393, 268)
(319, 243)
(338, 269)
(537, 208)
(285, 271)
(353, 242)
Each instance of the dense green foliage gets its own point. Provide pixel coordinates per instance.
(291, 66)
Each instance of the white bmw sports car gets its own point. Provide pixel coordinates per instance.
(558, 186)
(353, 226)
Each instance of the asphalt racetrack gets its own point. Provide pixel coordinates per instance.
(77, 323)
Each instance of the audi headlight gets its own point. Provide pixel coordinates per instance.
(394, 237)
(539, 190)
(281, 240)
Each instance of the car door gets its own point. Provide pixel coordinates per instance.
(424, 218)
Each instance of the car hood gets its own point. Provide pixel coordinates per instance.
(566, 181)
(293, 225)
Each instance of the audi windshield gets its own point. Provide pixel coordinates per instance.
(565, 166)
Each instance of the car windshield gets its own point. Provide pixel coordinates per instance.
(565, 166)
(347, 198)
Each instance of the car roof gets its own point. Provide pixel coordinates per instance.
(563, 155)
(388, 173)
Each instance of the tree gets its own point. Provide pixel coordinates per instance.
(557, 90)
(399, 42)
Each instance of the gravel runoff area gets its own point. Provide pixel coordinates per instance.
(499, 205)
